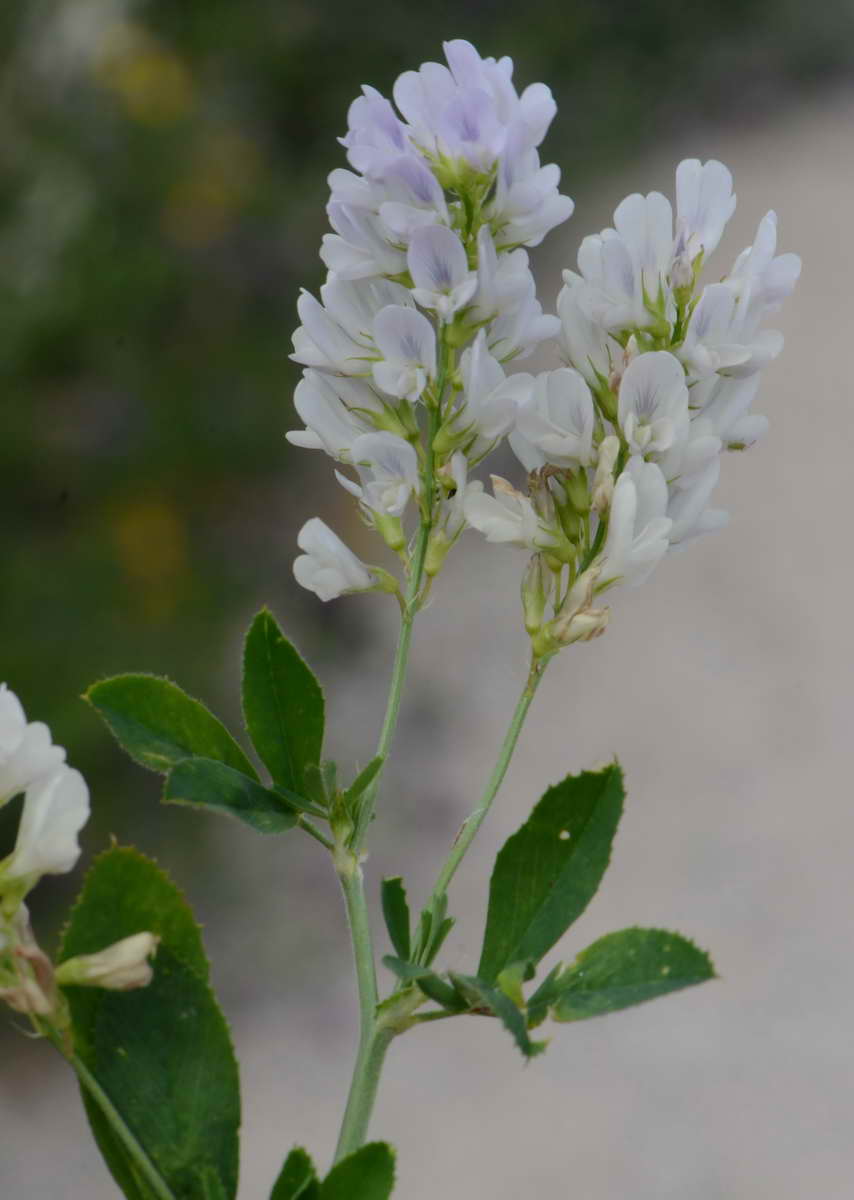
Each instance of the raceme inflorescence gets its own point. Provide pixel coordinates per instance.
(410, 383)
(430, 300)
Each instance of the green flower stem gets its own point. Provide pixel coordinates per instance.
(473, 822)
(141, 1161)
(409, 609)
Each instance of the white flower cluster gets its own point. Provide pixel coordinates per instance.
(429, 295)
(56, 807)
(427, 258)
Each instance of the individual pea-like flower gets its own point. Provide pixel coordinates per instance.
(328, 568)
(376, 135)
(709, 346)
(638, 528)
(410, 198)
(507, 516)
(527, 204)
(506, 302)
(688, 506)
(26, 750)
(120, 968)
(626, 268)
(760, 275)
(407, 343)
(388, 473)
(439, 268)
(557, 418)
(653, 403)
(56, 807)
(724, 407)
(336, 411)
(704, 204)
(583, 343)
(487, 405)
(335, 334)
(359, 248)
(56, 800)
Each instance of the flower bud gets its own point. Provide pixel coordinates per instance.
(578, 492)
(581, 627)
(120, 968)
(682, 274)
(603, 480)
(577, 620)
(390, 530)
(26, 996)
(537, 584)
(28, 984)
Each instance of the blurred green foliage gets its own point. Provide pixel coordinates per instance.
(163, 169)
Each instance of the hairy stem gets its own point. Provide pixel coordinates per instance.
(366, 1072)
(473, 822)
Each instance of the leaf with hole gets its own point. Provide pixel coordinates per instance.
(549, 870)
(627, 968)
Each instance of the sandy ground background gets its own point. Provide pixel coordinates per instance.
(724, 685)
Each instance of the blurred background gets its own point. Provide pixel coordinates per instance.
(162, 201)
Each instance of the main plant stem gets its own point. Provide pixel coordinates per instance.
(373, 1040)
(374, 1037)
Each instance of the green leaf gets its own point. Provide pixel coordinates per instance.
(204, 783)
(396, 913)
(544, 997)
(627, 968)
(546, 874)
(162, 1054)
(366, 1175)
(510, 981)
(159, 725)
(211, 1185)
(431, 984)
(297, 1179)
(282, 704)
(365, 778)
(482, 998)
(125, 893)
(433, 929)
